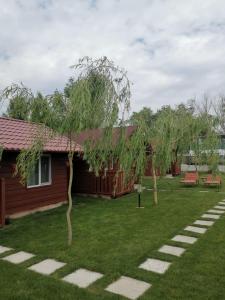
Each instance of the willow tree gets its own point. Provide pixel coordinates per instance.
(204, 142)
(167, 139)
(98, 97)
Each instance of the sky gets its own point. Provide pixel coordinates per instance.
(172, 50)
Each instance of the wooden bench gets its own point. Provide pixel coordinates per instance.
(212, 180)
(190, 178)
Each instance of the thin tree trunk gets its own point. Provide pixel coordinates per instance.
(70, 202)
(155, 192)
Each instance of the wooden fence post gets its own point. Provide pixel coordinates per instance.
(2, 202)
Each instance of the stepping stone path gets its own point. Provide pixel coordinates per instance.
(195, 229)
(18, 257)
(155, 265)
(128, 287)
(177, 251)
(214, 211)
(210, 216)
(82, 277)
(204, 223)
(219, 207)
(4, 249)
(184, 239)
(47, 266)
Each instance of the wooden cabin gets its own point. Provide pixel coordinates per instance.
(47, 185)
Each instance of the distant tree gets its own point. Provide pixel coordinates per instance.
(204, 136)
(219, 111)
(145, 114)
(39, 109)
(19, 98)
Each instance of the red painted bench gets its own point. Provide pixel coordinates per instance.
(190, 178)
(212, 180)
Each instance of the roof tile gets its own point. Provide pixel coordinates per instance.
(17, 135)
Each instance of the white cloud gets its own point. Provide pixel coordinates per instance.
(173, 50)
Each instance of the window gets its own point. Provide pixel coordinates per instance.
(41, 174)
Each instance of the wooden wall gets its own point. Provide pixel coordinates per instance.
(2, 202)
(86, 182)
(174, 170)
(19, 198)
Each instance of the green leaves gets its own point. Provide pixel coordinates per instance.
(27, 159)
(1, 152)
(19, 98)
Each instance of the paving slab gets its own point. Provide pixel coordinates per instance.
(47, 266)
(155, 265)
(18, 257)
(184, 239)
(214, 211)
(204, 223)
(128, 287)
(210, 216)
(222, 203)
(82, 277)
(4, 249)
(195, 229)
(177, 251)
(219, 207)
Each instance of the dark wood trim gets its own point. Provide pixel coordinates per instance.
(2, 202)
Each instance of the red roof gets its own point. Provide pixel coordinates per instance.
(17, 135)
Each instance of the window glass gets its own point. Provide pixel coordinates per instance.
(34, 176)
(45, 169)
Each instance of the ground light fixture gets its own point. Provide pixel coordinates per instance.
(139, 188)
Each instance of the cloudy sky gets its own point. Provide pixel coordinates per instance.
(173, 50)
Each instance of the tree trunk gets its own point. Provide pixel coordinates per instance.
(155, 192)
(70, 202)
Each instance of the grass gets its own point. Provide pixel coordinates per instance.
(113, 237)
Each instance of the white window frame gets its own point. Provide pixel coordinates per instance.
(39, 173)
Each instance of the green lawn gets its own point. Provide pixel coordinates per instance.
(113, 237)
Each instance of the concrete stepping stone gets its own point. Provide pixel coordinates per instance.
(222, 203)
(214, 211)
(155, 265)
(204, 223)
(184, 239)
(4, 249)
(18, 257)
(128, 287)
(177, 251)
(219, 207)
(210, 216)
(47, 266)
(195, 229)
(82, 277)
